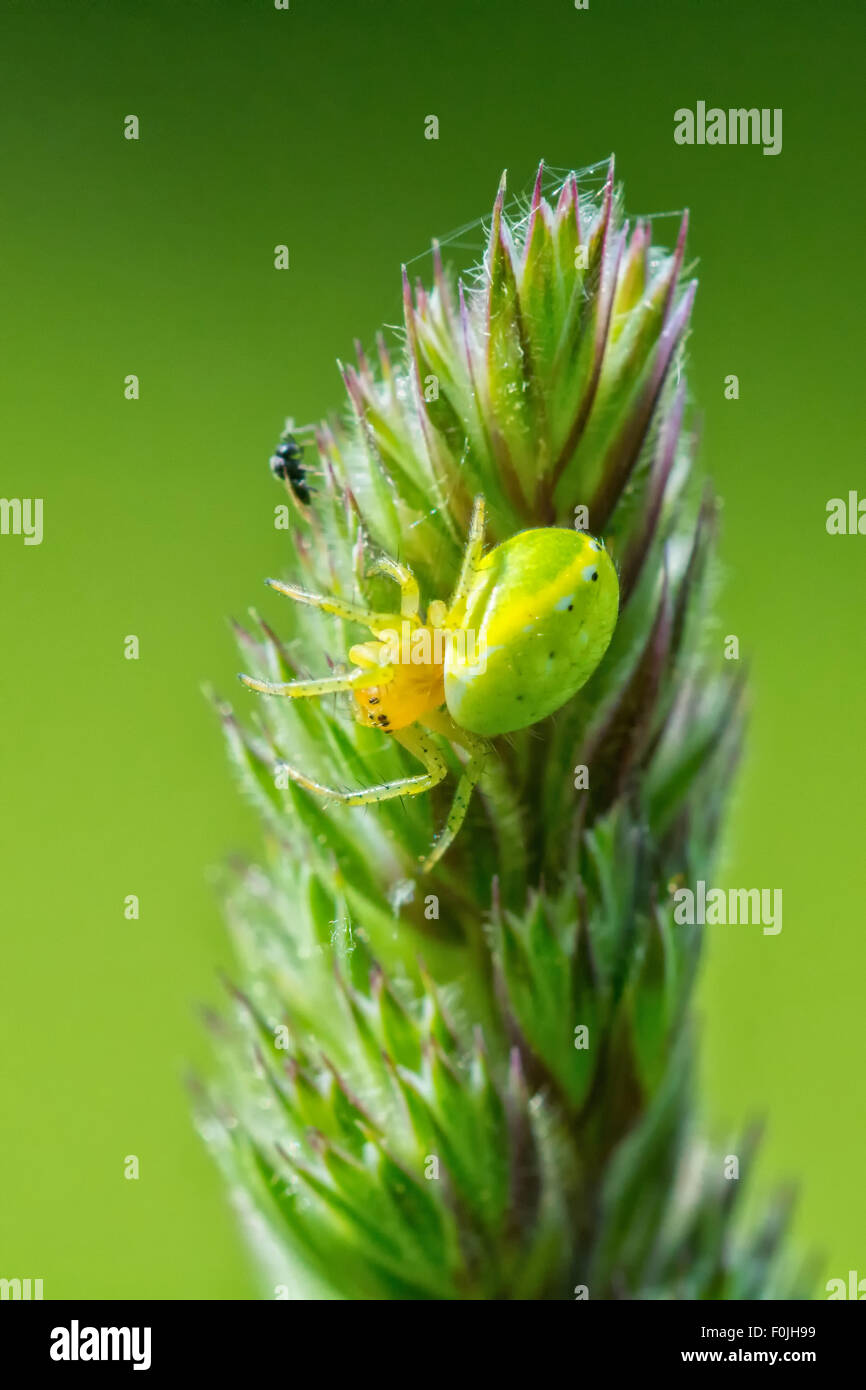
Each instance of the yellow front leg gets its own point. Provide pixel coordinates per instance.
(341, 608)
(327, 685)
(479, 752)
(471, 559)
(415, 741)
(410, 594)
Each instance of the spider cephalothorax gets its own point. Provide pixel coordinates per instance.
(526, 627)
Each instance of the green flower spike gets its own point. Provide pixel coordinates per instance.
(475, 1082)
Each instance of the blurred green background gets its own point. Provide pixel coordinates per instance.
(155, 257)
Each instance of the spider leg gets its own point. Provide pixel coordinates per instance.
(411, 599)
(415, 741)
(471, 558)
(341, 608)
(479, 751)
(327, 685)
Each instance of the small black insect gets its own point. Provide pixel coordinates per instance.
(287, 461)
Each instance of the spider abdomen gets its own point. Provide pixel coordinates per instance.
(542, 608)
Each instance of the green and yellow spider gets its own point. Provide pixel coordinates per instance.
(526, 627)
